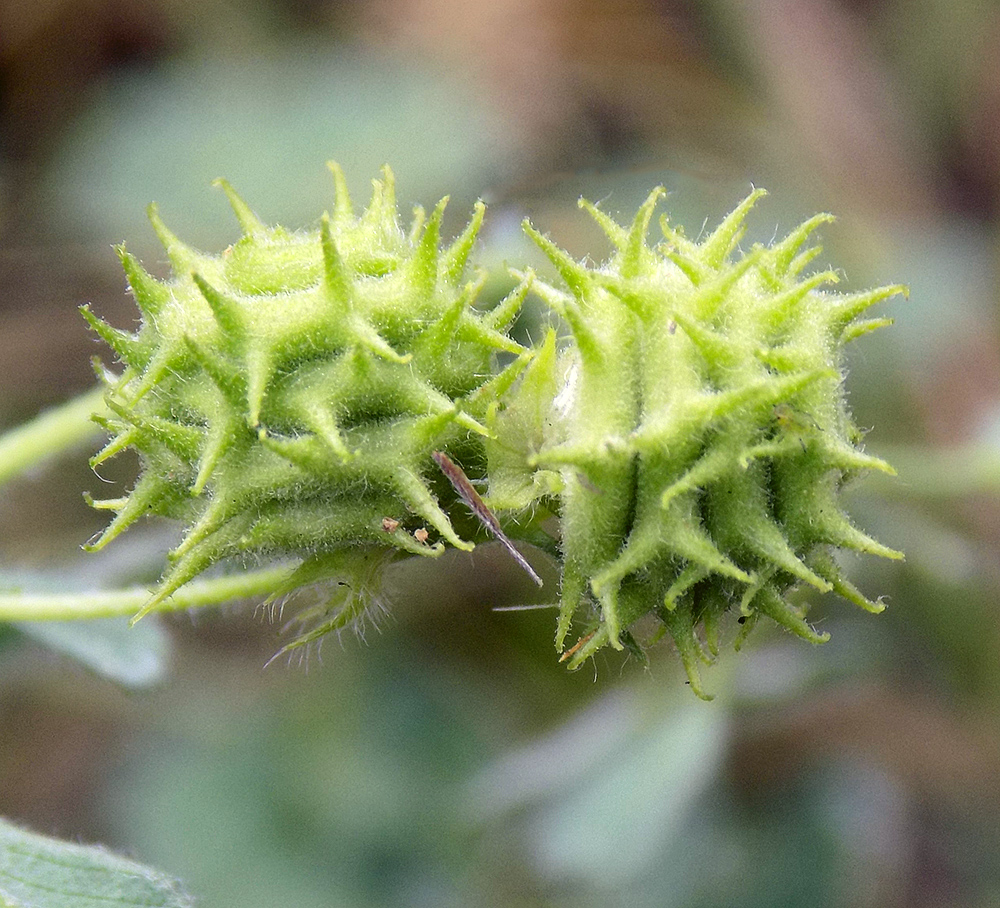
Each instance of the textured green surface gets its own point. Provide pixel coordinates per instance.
(699, 433)
(690, 432)
(39, 872)
(286, 396)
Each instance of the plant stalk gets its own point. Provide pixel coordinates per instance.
(127, 602)
(49, 433)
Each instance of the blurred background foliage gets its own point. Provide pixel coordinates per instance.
(447, 759)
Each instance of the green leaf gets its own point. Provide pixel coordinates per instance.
(39, 872)
(133, 657)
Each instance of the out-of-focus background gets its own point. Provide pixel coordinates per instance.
(445, 759)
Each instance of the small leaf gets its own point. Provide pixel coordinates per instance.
(39, 872)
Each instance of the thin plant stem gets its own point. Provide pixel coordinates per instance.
(51, 432)
(925, 472)
(127, 602)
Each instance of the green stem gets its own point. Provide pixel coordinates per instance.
(50, 433)
(940, 473)
(127, 602)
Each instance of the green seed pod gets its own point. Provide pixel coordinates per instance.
(695, 436)
(311, 394)
(286, 396)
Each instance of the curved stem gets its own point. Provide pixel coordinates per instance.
(127, 602)
(50, 432)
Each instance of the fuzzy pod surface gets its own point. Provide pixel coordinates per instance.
(693, 434)
(301, 393)
(286, 396)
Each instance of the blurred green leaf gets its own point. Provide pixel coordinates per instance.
(267, 126)
(134, 657)
(39, 872)
(613, 781)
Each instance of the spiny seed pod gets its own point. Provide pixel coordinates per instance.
(304, 394)
(287, 396)
(694, 433)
